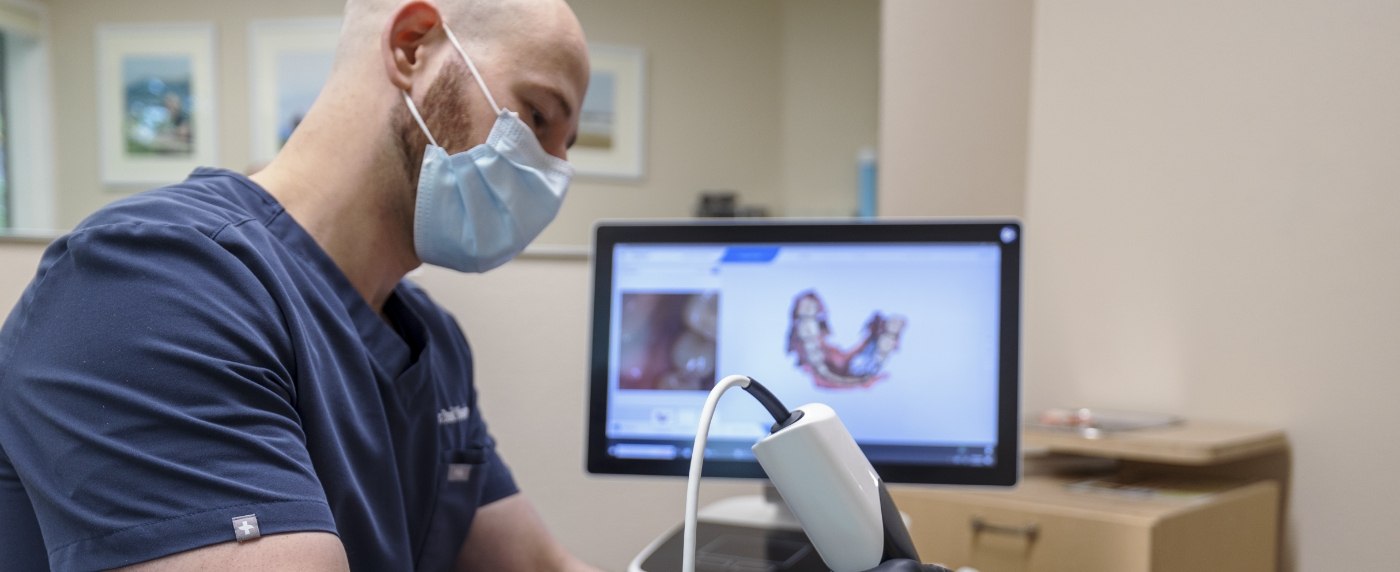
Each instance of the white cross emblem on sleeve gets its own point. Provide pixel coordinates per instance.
(246, 527)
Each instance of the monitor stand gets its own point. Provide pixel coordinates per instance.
(763, 511)
(748, 533)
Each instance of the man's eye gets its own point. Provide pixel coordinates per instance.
(537, 119)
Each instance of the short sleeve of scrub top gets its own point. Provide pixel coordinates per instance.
(140, 408)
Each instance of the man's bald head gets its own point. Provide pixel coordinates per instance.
(478, 23)
(521, 48)
(531, 55)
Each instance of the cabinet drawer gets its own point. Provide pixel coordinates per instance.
(993, 539)
(1043, 527)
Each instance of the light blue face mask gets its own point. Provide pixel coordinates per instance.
(478, 209)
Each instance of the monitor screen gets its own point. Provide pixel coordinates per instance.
(908, 330)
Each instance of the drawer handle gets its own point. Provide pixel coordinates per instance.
(1030, 531)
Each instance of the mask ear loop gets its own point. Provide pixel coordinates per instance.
(475, 74)
(413, 109)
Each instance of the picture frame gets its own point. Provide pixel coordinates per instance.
(612, 122)
(157, 116)
(289, 61)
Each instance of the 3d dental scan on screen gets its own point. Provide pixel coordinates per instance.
(871, 352)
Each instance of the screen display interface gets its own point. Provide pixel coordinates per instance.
(900, 339)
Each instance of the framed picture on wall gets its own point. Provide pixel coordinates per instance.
(612, 124)
(156, 99)
(288, 62)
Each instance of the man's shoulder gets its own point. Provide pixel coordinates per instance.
(208, 202)
(207, 227)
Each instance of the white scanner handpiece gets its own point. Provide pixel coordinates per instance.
(830, 487)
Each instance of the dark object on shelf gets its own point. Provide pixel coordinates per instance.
(717, 204)
(725, 204)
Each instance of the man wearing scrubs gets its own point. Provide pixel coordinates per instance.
(230, 373)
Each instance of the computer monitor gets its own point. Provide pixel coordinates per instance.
(909, 330)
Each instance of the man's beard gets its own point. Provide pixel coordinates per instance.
(444, 108)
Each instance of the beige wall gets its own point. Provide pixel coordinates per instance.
(954, 94)
(830, 102)
(1212, 208)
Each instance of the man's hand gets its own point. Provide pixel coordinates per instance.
(508, 535)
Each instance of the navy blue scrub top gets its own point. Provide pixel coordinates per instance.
(190, 355)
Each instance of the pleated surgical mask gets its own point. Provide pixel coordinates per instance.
(478, 209)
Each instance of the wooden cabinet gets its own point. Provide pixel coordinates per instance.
(1044, 526)
(1161, 521)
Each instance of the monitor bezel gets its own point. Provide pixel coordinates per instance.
(1006, 470)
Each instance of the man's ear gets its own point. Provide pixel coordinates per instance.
(403, 41)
